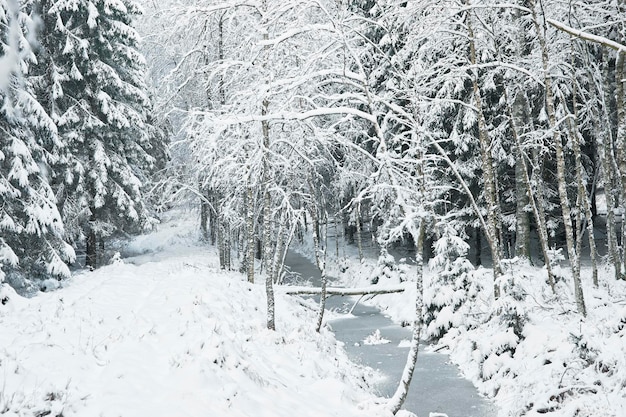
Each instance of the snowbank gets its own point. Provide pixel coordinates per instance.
(559, 365)
(171, 335)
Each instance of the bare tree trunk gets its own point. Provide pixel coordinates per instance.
(336, 224)
(91, 250)
(282, 253)
(220, 243)
(522, 224)
(523, 191)
(398, 398)
(620, 143)
(359, 239)
(493, 209)
(267, 247)
(204, 215)
(250, 233)
(280, 249)
(227, 247)
(537, 178)
(605, 150)
(316, 237)
(212, 231)
(519, 117)
(478, 242)
(560, 166)
(265, 128)
(218, 225)
(320, 250)
(582, 190)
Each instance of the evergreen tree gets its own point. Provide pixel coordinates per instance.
(31, 245)
(451, 286)
(91, 80)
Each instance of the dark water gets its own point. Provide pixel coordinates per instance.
(437, 386)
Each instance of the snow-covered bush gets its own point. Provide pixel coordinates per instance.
(495, 349)
(510, 307)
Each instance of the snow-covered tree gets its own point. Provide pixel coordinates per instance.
(32, 248)
(91, 81)
(451, 286)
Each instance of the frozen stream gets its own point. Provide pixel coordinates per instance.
(436, 386)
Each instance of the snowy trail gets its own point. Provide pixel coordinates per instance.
(436, 387)
(170, 335)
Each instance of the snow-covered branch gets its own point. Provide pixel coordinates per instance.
(277, 116)
(590, 37)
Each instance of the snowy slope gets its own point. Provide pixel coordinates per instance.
(170, 336)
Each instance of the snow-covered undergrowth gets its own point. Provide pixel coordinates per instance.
(170, 335)
(529, 351)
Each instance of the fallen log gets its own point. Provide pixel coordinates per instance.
(373, 290)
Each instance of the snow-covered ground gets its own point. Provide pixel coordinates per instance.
(166, 333)
(563, 365)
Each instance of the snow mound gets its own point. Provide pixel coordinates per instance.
(375, 339)
(406, 343)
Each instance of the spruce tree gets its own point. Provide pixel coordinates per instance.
(450, 287)
(31, 245)
(92, 82)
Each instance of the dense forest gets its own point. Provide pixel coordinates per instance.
(501, 123)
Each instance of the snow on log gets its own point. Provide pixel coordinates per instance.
(373, 290)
